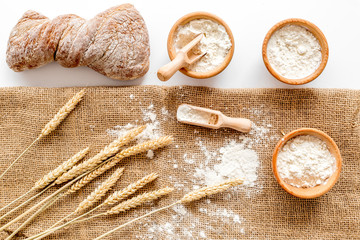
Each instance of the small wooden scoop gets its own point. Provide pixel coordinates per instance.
(210, 118)
(184, 58)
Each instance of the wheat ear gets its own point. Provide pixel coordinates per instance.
(139, 200)
(129, 190)
(107, 152)
(100, 191)
(51, 126)
(192, 196)
(57, 172)
(62, 114)
(207, 191)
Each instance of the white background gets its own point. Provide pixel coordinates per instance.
(249, 21)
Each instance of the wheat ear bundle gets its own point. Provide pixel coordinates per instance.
(191, 196)
(47, 179)
(129, 190)
(105, 153)
(52, 125)
(142, 147)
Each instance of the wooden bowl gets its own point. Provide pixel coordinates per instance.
(316, 32)
(200, 15)
(316, 191)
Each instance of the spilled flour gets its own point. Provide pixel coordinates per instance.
(235, 161)
(204, 162)
(186, 224)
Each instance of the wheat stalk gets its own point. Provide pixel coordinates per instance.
(107, 152)
(51, 126)
(31, 218)
(100, 191)
(192, 196)
(129, 190)
(57, 172)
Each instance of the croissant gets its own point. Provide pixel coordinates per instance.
(114, 43)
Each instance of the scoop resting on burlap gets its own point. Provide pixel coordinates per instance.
(114, 43)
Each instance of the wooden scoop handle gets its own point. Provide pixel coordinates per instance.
(239, 124)
(168, 70)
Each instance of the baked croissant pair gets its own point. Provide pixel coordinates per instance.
(114, 43)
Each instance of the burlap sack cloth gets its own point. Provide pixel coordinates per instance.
(269, 214)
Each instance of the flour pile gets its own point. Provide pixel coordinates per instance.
(235, 161)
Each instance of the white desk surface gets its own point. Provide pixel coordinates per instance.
(249, 21)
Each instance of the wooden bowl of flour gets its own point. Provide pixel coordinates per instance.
(311, 28)
(184, 20)
(311, 192)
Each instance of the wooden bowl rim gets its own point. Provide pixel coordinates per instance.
(316, 32)
(316, 191)
(200, 15)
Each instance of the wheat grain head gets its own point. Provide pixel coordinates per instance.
(100, 191)
(138, 200)
(207, 191)
(62, 114)
(129, 190)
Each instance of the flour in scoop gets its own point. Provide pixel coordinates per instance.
(305, 161)
(216, 43)
(294, 52)
(189, 114)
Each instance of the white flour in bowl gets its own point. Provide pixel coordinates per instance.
(216, 43)
(294, 52)
(305, 161)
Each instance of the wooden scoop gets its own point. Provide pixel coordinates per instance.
(209, 118)
(184, 58)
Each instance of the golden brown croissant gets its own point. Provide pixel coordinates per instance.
(114, 43)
